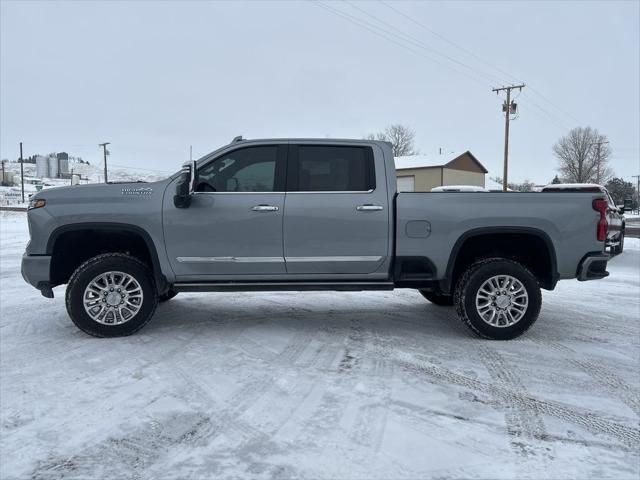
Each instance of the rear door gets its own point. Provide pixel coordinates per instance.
(234, 223)
(337, 212)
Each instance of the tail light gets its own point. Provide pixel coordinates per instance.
(601, 205)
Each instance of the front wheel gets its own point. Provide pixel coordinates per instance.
(111, 295)
(498, 298)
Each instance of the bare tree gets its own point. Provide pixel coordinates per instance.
(401, 138)
(526, 186)
(579, 157)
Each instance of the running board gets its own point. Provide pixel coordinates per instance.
(280, 286)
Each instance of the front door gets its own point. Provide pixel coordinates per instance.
(336, 212)
(234, 223)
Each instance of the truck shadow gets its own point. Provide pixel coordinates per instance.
(211, 312)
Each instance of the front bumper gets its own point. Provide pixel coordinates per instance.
(593, 266)
(35, 271)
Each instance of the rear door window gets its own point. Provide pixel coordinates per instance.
(328, 168)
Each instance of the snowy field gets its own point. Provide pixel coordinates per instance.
(320, 385)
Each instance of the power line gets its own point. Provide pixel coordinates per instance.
(544, 113)
(377, 31)
(554, 105)
(450, 42)
(485, 62)
(358, 21)
(423, 45)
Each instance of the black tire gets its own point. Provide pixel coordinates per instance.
(617, 250)
(438, 299)
(469, 284)
(110, 262)
(168, 295)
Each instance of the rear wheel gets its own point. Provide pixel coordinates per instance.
(437, 298)
(111, 295)
(498, 298)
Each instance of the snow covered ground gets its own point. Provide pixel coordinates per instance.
(320, 385)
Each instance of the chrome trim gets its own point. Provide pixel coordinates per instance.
(230, 259)
(331, 191)
(265, 208)
(287, 192)
(347, 258)
(236, 193)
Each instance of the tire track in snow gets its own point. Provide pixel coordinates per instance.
(325, 417)
(592, 421)
(615, 385)
(253, 390)
(525, 426)
(371, 419)
(138, 450)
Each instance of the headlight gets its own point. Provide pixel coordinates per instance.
(36, 203)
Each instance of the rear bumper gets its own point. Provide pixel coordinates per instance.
(35, 271)
(593, 267)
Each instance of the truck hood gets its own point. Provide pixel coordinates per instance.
(101, 192)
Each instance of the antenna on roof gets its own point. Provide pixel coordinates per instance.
(237, 139)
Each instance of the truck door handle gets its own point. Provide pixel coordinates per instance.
(265, 208)
(369, 208)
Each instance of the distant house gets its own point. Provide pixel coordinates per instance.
(420, 173)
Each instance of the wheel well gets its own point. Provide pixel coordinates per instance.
(72, 248)
(529, 249)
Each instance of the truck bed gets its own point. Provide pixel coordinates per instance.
(439, 223)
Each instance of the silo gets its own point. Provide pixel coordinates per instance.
(42, 166)
(53, 167)
(63, 163)
(63, 166)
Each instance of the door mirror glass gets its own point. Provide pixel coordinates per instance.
(621, 208)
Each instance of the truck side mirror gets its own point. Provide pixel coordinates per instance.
(186, 185)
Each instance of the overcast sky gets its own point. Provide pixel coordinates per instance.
(155, 77)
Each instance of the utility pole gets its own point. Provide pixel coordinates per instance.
(508, 108)
(599, 144)
(71, 177)
(106, 152)
(637, 191)
(22, 172)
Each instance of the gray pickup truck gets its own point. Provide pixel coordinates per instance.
(260, 215)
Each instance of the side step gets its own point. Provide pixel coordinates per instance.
(280, 286)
